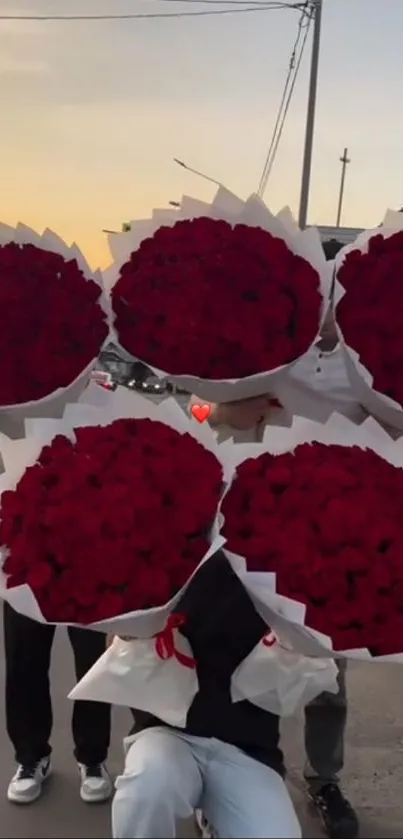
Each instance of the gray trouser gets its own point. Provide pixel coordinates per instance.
(325, 722)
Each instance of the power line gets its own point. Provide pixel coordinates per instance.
(147, 15)
(286, 108)
(276, 3)
(289, 87)
(292, 74)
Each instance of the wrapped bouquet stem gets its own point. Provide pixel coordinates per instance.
(133, 673)
(279, 680)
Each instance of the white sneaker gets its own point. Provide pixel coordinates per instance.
(26, 785)
(96, 784)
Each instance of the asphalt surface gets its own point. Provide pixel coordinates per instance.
(373, 774)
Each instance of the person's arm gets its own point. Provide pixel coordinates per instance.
(242, 415)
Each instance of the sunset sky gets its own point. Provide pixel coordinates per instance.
(92, 114)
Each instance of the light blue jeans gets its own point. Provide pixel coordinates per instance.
(169, 774)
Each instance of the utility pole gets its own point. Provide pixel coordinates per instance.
(344, 161)
(317, 6)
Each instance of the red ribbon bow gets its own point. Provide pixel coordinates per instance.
(269, 640)
(165, 642)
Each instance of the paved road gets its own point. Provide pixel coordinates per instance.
(374, 770)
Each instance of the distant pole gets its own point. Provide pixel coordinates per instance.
(317, 6)
(344, 161)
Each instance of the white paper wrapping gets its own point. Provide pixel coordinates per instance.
(318, 385)
(377, 404)
(17, 455)
(280, 681)
(230, 208)
(12, 428)
(53, 404)
(131, 673)
(284, 616)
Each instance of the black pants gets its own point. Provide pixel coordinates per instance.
(28, 647)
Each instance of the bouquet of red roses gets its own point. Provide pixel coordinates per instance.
(222, 299)
(54, 323)
(369, 300)
(107, 512)
(313, 520)
(105, 517)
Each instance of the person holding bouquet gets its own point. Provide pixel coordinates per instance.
(28, 647)
(50, 296)
(226, 759)
(326, 716)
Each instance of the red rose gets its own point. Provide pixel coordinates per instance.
(54, 326)
(327, 520)
(191, 275)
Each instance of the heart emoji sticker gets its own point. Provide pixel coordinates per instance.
(201, 412)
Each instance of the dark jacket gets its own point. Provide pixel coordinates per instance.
(222, 628)
(331, 248)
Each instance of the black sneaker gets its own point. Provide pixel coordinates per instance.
(338, 817)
